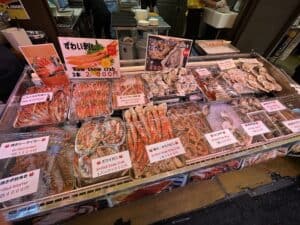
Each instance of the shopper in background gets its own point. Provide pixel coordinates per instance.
(151, 4)
(195, 13)
(101, 17)
(10, 70)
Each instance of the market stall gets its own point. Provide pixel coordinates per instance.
(119, 133)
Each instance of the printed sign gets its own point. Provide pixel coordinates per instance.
(164, 150)
(15, 9)
(165, 52)
(91, 58)
(46, 63)
(249, 60)
(23, 147)
(19, 185)
(220, 138)
(111, 164)
(226, 64)
(203, 72)
(272, 106)
(129, 100)
(36, 98)
(293, 125)
(255, 128)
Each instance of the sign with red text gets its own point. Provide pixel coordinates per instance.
(23, 147)
(255, 128)
(90, 57)
(273, 105)
(164, 150)
(111, 164)
(130, 100)
(19, 185)
(220, 138)
(36, 98)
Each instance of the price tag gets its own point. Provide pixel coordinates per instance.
(293, 125)
(19, 185)
(164, 150)
(203, 72)
(255, 128)
(226, 64)
(129, 100)
(111, 164)
(23, 147)
(220, 138)
(272, 106)
(249, 60)
(36, 98)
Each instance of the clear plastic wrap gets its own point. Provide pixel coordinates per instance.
(50, 112)
(55, 166)
(90, 99)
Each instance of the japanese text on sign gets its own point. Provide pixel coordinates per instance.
(249, 60)
(23, 147)
(272, 106)
(226, 64)
(220, 138)
(111, 164)
(293, 125)
(255, 128)
(203, 72)
(19, 185)
(128, 100)
(164, 150)
(36, 98)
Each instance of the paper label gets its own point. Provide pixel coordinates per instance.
(164, 150)
(90, 57)
(226, 64)
(19, 185)
(203, 72)
(272, 106)
(255, 128)
(129, 100)
(220, 138)
(23, 147)
(36, 98)
(111, 164)
(293, 125)
(249, 60)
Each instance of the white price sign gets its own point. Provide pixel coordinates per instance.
(36, 98)
(226, 64)
(293, 125)
(255, 128)
(111, 164)
(203, 72)
(220, 138)
(129, 100)
(19, 185)
(164, 150)
(23, 147)
(272, 106)
(249, 60)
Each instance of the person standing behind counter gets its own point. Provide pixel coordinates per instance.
(101, 17)
(195, 13)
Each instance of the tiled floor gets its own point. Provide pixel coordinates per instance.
(192, 196)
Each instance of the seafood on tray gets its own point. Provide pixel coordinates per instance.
(97, 139)
(128, 91)
(90, 99)
(48, 112)
(91, 134)
(148, 125)
(173, 82)
(189, 124)
(55, 165)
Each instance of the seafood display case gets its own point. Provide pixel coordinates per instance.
(136, 132)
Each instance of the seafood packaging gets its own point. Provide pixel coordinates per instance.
(173, 82)
(97, 139)
(145, 126)
(55, 165)
(166, 52)
(90, 99)
(128, 91)
(53, 111)
(189, 124)
(245, 78)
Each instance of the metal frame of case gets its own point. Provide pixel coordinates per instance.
(104, 189)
